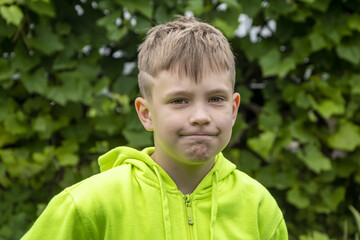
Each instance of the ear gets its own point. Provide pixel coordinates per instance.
(235, 107)
(143, 113)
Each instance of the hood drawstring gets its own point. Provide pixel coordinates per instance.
(165, 206)
(214, 204)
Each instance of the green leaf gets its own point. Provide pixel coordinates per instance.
(195, 6)
(22, 61)
(42, 8)
(269, 62)
(327, 107)
(65, 61)
(333, 24)
(124, 84)
(332, 197)
(43, 125)
(266, 174)
(3, 2)
(46, 40)
(6, 137)
(61, 63)
(307, 1)
(143, 25)
(7, 30)
(101, 84)
(251, 7)
(355, 83)
(297, 198)
(286, 65)
(263, 144)
(138, 138)
(354, 22)
(317, 41)
(245, 160)
(347, 137)
(238, 127)
(321, 5)
(356, 215)
(350, 51)
(67, 153)
(280, 7)
(117, 34)
(319, 236)
(35, 82)
(15, 124)
(108, 19)
(289, 92)
(245, 93)
(12, 14)
(63, 28)
(301, 48)
(113, 32)
(272, 64)
(232, 3)
(270, 121)
(67, 159)
(314, 159)
(302, 100)
(143, 6)
(224, 26)
(78, 132)
(161, 15)
(255, 50)
(299, 132)
(110, 124)
(6, 71)
(300, 15)
(7, 108)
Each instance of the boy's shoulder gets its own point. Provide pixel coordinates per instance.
(240, 185)
(100, 185)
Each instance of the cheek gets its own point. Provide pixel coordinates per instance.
(225, 122)
(168, 122)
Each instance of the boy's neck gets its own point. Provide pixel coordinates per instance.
(186, 177)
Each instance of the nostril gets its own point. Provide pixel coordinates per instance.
(200, 120)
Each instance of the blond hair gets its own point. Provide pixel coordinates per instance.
(185, 45)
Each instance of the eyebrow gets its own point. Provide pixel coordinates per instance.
(221, 91)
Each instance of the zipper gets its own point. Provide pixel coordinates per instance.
(190, 218)
(188, 209)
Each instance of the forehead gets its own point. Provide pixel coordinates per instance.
(170, 80)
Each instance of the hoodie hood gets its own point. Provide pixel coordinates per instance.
(145, 164)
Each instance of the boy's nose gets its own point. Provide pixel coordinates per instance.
(199, 116)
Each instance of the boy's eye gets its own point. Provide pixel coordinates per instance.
(179, 101)
(216, 99)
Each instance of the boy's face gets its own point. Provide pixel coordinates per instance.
(192, 122)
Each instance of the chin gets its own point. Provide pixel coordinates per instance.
(198, 154)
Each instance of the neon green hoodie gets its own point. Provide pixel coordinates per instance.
(134, 198)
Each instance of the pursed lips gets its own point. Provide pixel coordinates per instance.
(199, 134)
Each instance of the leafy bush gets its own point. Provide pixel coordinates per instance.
(68, 79)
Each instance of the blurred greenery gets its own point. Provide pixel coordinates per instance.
(68, 79)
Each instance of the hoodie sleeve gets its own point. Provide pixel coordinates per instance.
(280, 232)
(60, 220)
(271, 221)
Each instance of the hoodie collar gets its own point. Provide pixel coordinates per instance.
(143, 162)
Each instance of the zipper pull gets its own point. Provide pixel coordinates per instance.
(188, 209)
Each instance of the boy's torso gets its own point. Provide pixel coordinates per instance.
(120, 202)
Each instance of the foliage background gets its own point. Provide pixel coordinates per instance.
(68, 79)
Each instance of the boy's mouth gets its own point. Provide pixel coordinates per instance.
(199, 134)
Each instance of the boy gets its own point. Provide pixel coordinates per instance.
(183, 188)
